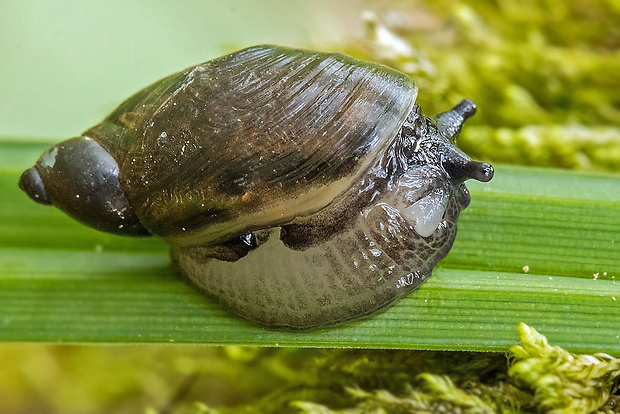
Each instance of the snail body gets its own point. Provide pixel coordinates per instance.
(300, 189)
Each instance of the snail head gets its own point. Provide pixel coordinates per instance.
(433, 141)
(436, 169)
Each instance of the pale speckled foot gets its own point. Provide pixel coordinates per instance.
(354, 274)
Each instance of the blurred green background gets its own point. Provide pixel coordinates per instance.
(66, 64)
(545, 75)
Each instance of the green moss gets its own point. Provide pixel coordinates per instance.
(561, 382)
(545, 71)
(566, 146)
(534, 377)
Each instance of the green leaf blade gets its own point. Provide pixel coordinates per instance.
(60, 281)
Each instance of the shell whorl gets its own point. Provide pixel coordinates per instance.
(252, 139)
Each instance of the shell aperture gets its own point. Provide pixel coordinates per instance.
(300, 189)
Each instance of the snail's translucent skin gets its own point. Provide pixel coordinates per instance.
(300, 189)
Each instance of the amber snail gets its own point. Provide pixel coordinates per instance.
(300, 189)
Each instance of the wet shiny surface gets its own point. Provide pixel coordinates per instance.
(300, 189)
(363, 262)
(259, 136)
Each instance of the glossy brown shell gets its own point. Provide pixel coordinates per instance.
(252, 139)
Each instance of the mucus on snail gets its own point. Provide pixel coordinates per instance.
(300, 189)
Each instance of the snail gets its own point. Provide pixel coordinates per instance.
(300, 189)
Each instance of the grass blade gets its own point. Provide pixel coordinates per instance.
(60, 281)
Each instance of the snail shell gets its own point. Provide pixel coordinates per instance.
(301, 189)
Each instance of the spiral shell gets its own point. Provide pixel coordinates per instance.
(252, 139)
